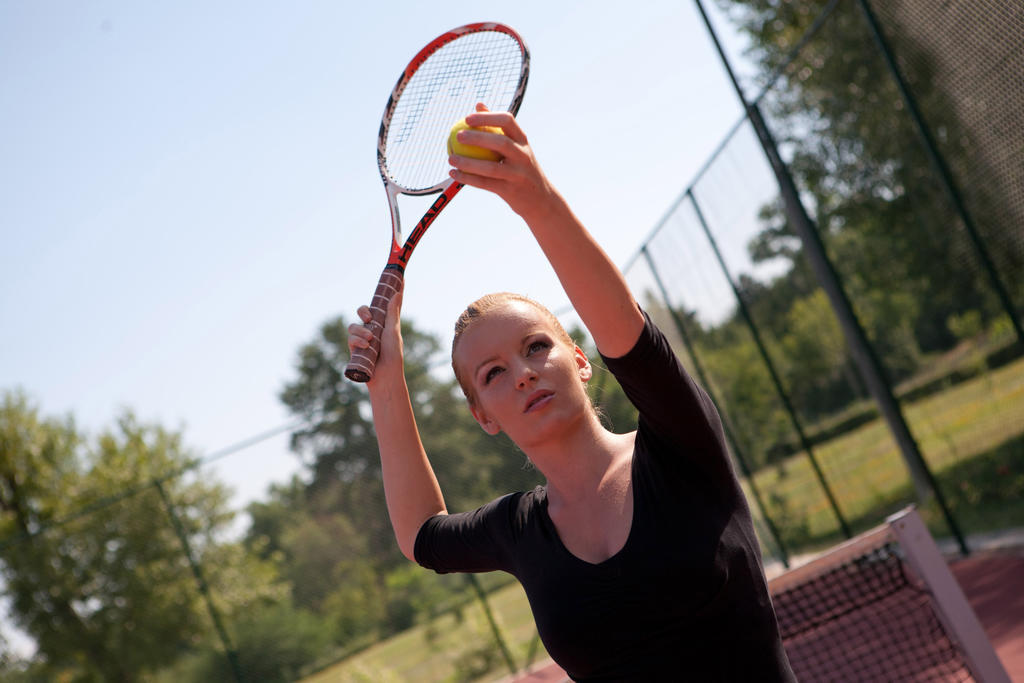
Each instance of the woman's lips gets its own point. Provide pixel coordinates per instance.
(537, 399)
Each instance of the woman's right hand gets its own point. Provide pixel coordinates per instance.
(390, 359)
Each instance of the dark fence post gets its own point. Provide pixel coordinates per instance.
(779, 389)
(201, 580)
(863, 352)
(495, 631)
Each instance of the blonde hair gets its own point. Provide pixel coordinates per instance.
(480, 309)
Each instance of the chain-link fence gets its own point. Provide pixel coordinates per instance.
(871, 130)
(899, 125)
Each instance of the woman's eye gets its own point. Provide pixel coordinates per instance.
(491, 374)
(536, 346)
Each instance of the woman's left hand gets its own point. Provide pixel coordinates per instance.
(517, 178)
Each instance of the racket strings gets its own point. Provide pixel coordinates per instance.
(485, 66)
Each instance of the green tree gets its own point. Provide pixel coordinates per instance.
(961, 99)
(333, 535)
(815, 349)
(92, 567)
(322, 556)
(276, 643)
(746, 389)
(856, 154)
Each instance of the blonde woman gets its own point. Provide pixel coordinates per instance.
(638, 554)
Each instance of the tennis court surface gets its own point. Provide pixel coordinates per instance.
(883, 598)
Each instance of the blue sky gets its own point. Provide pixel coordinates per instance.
(188, 190)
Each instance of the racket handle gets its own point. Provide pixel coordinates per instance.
(362, 362)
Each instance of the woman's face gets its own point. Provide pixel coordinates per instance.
(526, 380)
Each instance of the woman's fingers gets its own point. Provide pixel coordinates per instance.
(511, 145)
(479, 181)
(511, 153)
(499, 170)
(517, 178)
(359, 336)
(498, 119)
(389, 362)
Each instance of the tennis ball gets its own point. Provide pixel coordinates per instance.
(472, 151)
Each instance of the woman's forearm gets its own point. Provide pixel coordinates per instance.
(410, 487)
(594, 284)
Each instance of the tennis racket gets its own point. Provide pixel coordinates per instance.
(484, 62)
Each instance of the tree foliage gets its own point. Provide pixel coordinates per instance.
(92, 567)
(856, 154)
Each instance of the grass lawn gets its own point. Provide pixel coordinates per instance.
(972, 436)
(451, 648)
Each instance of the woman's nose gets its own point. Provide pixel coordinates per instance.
(525, 375)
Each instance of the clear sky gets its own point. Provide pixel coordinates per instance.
(188, 190)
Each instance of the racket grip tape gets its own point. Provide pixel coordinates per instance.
(363, 361)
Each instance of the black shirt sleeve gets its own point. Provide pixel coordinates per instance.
(670, 403)
(477, 541)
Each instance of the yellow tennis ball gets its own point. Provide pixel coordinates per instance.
(472, 151)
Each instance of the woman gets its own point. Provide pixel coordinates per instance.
(638, 554)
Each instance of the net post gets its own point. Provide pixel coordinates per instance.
(960, 621)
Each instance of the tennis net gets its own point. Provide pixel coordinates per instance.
(885, 607)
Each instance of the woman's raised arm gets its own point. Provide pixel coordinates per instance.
(594, 285)
(410, 487)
